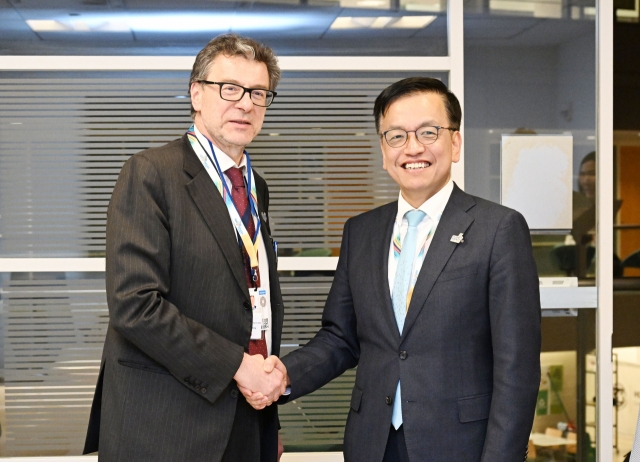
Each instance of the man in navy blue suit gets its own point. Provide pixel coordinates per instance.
(435, 299)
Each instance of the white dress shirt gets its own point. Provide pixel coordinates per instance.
(433, 208)
(226, 163)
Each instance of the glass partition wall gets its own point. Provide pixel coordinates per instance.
(535, 75)
(67, 126)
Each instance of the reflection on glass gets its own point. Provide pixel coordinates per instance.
(538, 77)
(564, 422)
(627, 227)
(291, 27)
(53, 331)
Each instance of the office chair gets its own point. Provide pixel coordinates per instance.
(632, 261)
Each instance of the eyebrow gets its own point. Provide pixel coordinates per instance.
(235, 82)
(429, 123)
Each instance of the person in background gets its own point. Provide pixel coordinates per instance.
(584, 221)
(587, 176)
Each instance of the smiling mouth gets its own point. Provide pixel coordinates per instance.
(416, 165)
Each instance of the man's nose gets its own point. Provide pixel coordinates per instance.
(245, 102)
(413, 146)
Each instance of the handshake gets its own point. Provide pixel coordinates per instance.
(261, 381)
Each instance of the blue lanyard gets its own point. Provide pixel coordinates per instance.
(252, 203)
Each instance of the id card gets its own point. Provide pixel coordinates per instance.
(261, 305)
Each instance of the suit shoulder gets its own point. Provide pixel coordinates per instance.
(165, 155)
(490, 208)
(375, 216)
(496, 215)
(159, 166)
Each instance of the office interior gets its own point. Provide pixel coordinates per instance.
(529, 68)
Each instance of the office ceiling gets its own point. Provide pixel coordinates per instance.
(291, 27)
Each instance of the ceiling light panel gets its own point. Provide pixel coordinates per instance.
(428, 6)
(172, 22)
(369, 4)
(77, 25)
(382, 22)
(539, 9)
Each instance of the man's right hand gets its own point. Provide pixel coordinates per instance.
(272, 365)
(261, 378)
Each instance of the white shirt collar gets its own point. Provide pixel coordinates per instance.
(224, 160)
(433, 207)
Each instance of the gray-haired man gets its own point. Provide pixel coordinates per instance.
(192, 288)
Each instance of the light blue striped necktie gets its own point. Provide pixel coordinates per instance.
(401, 285)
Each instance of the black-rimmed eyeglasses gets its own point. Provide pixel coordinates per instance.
(235, 92)
(397, 137)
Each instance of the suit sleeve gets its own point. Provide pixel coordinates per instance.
(335, 348)
(514, 304)
(138, 281)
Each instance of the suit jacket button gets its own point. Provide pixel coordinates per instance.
(234, 393)
(247, 305)
(388, 400)
(403, 355)
(203, 391)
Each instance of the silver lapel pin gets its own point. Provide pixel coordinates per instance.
(457, 239)
(264, 216)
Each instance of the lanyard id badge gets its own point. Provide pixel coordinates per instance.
(261, 305)
(211, 165)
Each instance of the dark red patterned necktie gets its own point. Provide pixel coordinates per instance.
(241, 201)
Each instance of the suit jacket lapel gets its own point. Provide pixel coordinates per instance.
(379, 266)
(214, 211)
(454, 221)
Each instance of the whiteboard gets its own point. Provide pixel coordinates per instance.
(536, 179)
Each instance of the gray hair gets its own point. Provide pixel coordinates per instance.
(234, 45)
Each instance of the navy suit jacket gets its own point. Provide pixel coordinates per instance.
(469, 355)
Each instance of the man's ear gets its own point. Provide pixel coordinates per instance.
(456, 146)
(384, 158)
(196, 96)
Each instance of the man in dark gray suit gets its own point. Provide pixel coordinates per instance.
(192, 284)
(435, 299)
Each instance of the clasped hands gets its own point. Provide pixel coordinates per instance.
(261, 381)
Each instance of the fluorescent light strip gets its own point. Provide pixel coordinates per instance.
(180, 22)
(382, 22)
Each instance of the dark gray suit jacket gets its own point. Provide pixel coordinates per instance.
(468, 357)
(180, 315)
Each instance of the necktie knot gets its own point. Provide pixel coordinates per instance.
(414, 217)
(236, 177)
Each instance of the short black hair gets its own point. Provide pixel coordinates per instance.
(414, 85)
(591, 157)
